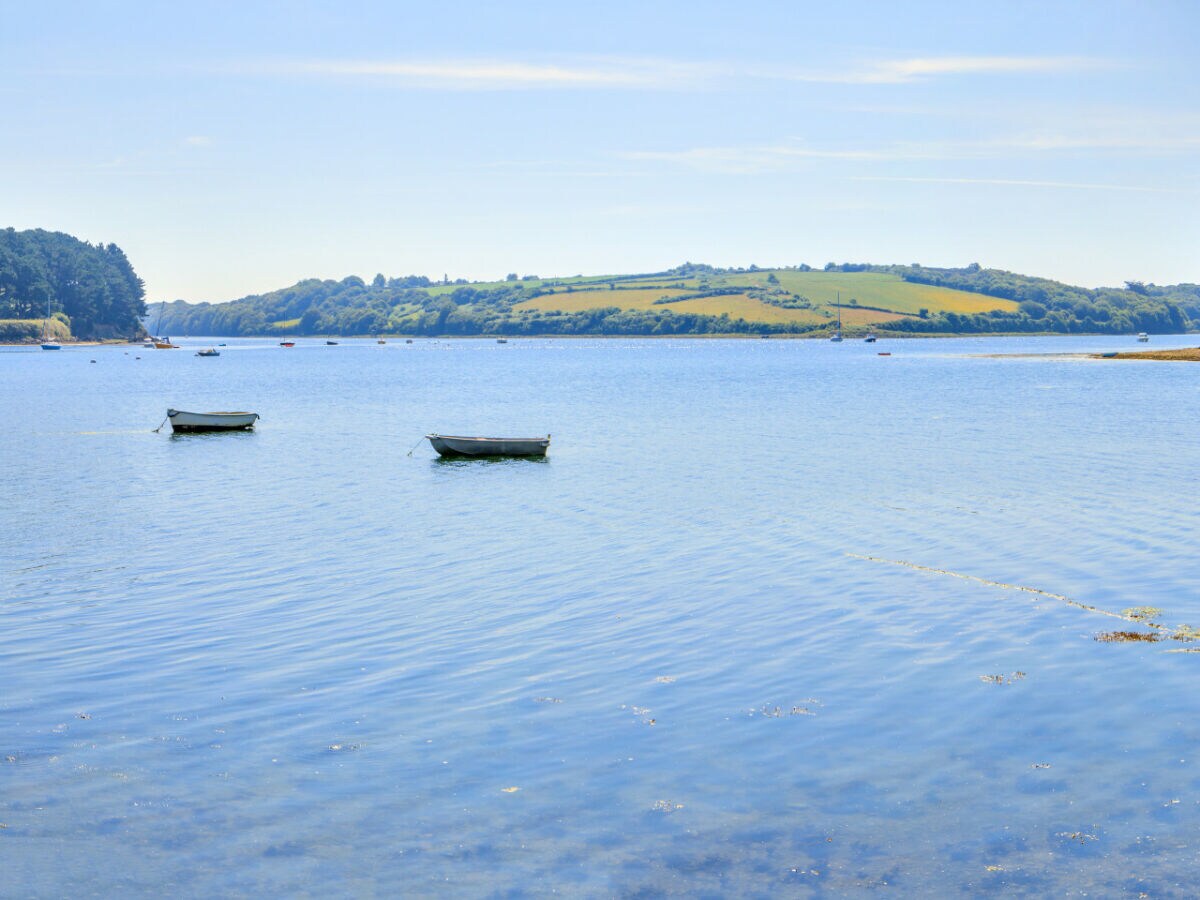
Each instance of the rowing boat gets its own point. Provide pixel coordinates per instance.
(456, 445)
(211, 421)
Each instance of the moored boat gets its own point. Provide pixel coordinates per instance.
(211, 421)
(331, 343)
(287, 343)
(457, 445)
(211, 351)
(1143, 337)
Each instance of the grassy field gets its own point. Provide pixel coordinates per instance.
(875, 289)
(857, 289)
(31, 329)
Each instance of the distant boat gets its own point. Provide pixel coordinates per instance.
(1143, 337)
(408, 340)
(380, 341)
(836, 337)
(161, 343)
(870, 339)
(453, 445)
(211, 351)
(287, 343)
(220, 345)
(211, 421)
(48, 344)
(331, 343)
(501, 340)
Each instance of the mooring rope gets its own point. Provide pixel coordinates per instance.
(1001, 584)
(161, 424)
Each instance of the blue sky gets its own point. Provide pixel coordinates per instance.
(233, 148)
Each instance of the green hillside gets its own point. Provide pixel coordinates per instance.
(700, 299)
(89, 290)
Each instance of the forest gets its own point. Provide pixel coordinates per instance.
(91, 289)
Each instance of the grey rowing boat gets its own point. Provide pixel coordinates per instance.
(455, 445)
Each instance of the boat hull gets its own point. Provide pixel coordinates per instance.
(211, 421)
(456, 446)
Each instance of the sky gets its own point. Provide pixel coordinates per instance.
(235, 148)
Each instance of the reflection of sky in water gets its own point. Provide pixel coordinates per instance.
(311, 663)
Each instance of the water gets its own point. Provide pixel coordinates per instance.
(297, 661)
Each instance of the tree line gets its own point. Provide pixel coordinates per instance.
(92, 286)
(415, 305)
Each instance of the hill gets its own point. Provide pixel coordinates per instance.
(89, 291)
(700, 299)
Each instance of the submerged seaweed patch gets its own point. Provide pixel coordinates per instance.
(1141, 613)
(1127, 637)
(1001, 679)
(1186, 633)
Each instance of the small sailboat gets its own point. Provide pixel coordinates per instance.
(162, 343)
(457, 446)
(48, 344)
(182, 421)
(870, 339)
(836, 337)
(287, 343)
(211, 351)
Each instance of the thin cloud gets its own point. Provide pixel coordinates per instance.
(749, 160)
(784, 156)
(502, 74)
(1020, 182)
(903, 71)
(610, 72)
(197, 140)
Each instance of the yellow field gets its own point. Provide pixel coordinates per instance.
(738, 306)
(580, 300)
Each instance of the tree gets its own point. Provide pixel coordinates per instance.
(379, 281)
(511, 276)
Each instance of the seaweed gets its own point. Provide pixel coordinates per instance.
(1127, 637)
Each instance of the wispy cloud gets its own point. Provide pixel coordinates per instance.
(1021, 182)
(197, 140)
(786, 155)
(654, 73)
(902, 71)
(502, 74)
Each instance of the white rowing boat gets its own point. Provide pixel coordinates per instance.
(456, 445)
(211, 421)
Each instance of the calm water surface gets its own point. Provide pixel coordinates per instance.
(299, 661)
